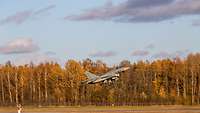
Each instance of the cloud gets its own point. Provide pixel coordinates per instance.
(19, 46)
(196, 23)
(141, 11)
(43, 10)
(140, 53)
(103, 54)
(181, 53)
(35, 58)
(17, 18)
(146, 3)
(50, 53)
(164, 54)
(23, 16)
(150, 46)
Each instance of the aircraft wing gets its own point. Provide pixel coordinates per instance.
(111, 72)
(90, 75)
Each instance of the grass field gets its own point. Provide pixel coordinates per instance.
(104, 109)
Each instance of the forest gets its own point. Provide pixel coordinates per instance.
(159, 82)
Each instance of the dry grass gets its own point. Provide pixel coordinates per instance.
(105, 109)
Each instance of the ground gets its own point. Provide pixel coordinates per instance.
(97, 109)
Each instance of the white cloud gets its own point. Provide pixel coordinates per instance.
(164, 54)
(140, 53)
(103, 54)
(35, 58)
(18, 46)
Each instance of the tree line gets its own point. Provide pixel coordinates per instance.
(159, 82)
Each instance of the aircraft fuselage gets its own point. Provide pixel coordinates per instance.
(110, 76)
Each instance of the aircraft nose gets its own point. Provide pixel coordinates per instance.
(126, 68)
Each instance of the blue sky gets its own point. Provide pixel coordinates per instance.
(108, 30)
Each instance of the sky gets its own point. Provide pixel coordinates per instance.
(108, 30)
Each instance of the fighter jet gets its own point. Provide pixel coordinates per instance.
(107, 77)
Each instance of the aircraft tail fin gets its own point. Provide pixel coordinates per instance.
(90, 75)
